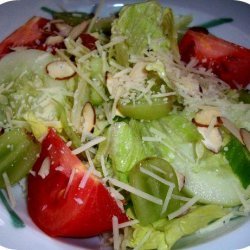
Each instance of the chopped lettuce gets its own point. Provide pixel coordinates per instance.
(125, 149)
(170, 31)
(81, 96)
(175, 139)
(38, 128)
(163, 234)
(156, 32)
(29, 90)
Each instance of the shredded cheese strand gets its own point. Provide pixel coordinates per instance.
(157, 177)
(116, 235)
(97, 13)
(45, 168)
(167, 200)
(9, 190)
(128, 223)
(104, 169)
(184, 208)
(88, 145)
(179, 197)
(69, 182)
(85, 178)
(136, 191)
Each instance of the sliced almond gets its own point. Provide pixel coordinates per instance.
(245, 137)
(60, 70)
(111, 84)
(78, 29)
(56, 21)
(52, 40)
(212, 138)
(138, 72)
(204, 117)
(19, 48)
(89, 117)
(181, 180)
(231, 128)
(63, 28)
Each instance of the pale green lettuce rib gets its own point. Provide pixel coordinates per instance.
(165, 233)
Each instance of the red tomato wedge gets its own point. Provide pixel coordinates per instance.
(30, 35)
(230, 62)
(33, 35)
(61, 208)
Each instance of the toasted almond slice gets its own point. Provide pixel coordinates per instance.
(63, 28)
(204, 117)
(212, 138)
(231, 128)
(60, 70)
(78, 29)
(245, 137)
(18, 48)
(138, 71)
(110, 84)
(181, 180)
(89, 117)
(56, 21)
(52, 40)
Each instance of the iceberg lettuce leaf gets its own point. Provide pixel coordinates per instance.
(163, 234)
(146, 26)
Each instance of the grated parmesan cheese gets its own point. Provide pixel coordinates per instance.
(79, 201)
(217, 224)
(71, 177)
(59, 168)
(167, 200)
(115, 194)
(184, 208)
(91, 164)
(89, 171)
(104, 169)
(136, 191)
(9, 190)
(242, 199)
(116, 236)
(96, 15)
(157, 177)
(86, 177)
(45, 168)
(179, 197)
(128, 224)
(88, 145)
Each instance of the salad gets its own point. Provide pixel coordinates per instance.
(133, 125)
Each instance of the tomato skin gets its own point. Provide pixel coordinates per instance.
(88, 41)
(30, 35)
(230, 62)
(33, 35)
(58, 214)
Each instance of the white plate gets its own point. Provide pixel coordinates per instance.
(12, 14)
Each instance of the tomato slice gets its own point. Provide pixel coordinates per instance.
(60, 209)
(230, 62)
(88, 41)
(33, 35)
(30, 35)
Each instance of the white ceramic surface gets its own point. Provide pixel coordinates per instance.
(12, 14)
